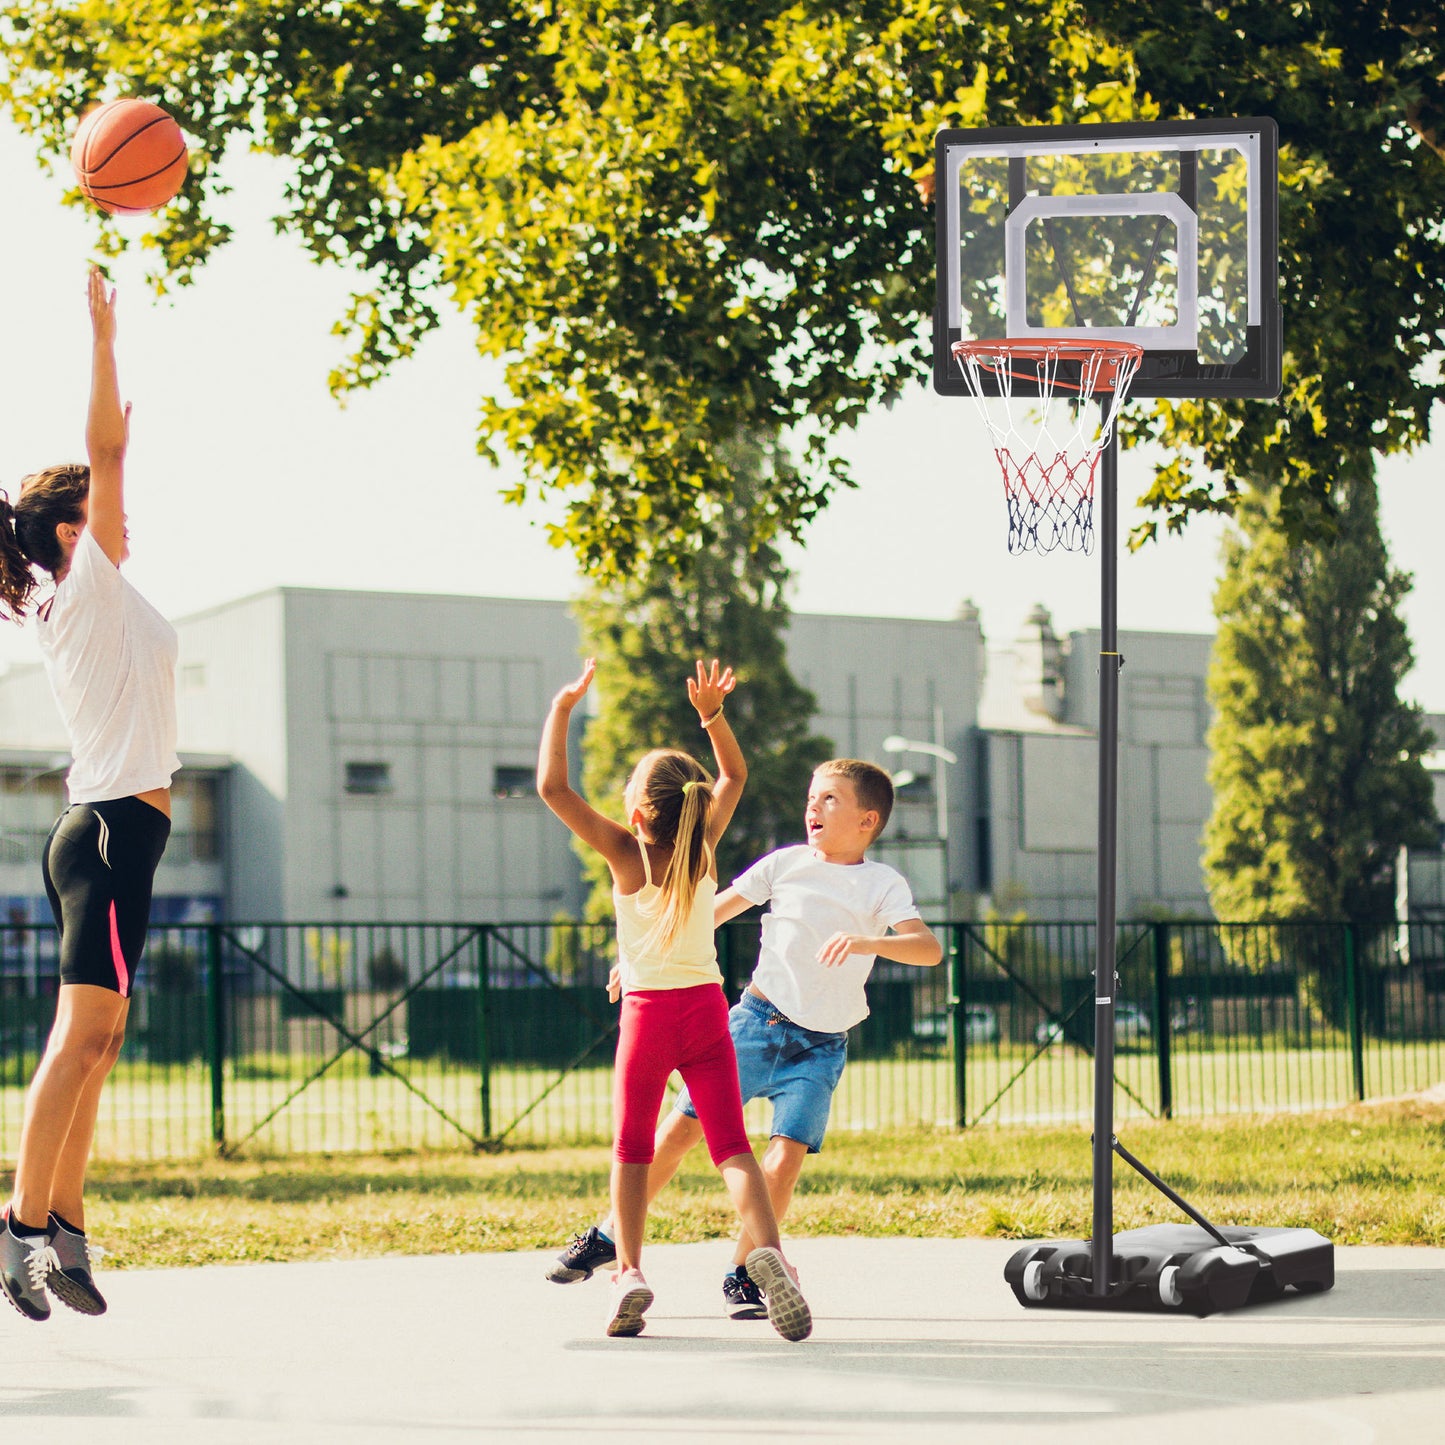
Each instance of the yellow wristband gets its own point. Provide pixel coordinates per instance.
(707, 722)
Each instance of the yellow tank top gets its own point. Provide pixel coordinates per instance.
(691, 957)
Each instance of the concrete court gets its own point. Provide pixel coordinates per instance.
(916, 1340)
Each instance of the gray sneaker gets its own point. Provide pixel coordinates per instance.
(25, 1263)
(70, 1279)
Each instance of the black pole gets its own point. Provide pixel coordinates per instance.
(1105, 952)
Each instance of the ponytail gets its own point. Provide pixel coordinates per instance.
(17, 581)
(677, 797)
(27, 531)
(691, 858)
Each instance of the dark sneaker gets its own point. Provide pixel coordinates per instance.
(742, 1299)
(586, 1253)
(631, 1295)
(788, 1311)
(25, 1263)
(70, 1279)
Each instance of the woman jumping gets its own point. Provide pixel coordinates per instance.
(111, 660)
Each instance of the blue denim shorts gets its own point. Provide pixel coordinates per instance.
(795, 1067)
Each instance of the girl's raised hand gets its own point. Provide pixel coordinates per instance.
(568, 697)
(707, 690)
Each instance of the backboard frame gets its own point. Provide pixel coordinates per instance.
(1171, 365)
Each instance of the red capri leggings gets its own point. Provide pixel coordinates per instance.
(684, 1029)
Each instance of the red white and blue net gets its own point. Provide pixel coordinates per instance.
(1034, 398)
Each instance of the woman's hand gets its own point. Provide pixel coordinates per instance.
(102, 308)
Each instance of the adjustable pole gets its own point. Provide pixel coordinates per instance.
(1102, 1248)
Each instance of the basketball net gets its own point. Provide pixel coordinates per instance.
(1033, 396)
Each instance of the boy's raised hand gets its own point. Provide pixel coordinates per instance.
(707, 690)
(569, 696)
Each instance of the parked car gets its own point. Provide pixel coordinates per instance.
(980, 1025)
(1131, 1026)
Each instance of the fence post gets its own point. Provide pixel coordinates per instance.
(216, 988)
(958, 938)
(725, 957)
(484, 1056)
(1352, 996)
(1163, 1021)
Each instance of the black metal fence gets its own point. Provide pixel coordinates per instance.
(297, 1038)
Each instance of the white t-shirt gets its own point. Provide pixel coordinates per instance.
(111, 660)
(811, 901)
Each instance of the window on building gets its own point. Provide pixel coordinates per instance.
(195, 817)
(368, 778)
(910, 787)
(30, 799)
(513, 782)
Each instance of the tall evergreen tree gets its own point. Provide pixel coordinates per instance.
(646, 632)
(1316, 762)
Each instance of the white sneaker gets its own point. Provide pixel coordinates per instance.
(788, 1311)
(631, 1297)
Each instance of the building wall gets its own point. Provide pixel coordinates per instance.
(292, 687)
(1042, 804)
(441, 691)
(876, 677)
(229, 702)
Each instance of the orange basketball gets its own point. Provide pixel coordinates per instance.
(129, 157)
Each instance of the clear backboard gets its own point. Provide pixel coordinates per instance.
(1160, 234)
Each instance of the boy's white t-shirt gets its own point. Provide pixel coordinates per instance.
(811, 900)
(111, 660)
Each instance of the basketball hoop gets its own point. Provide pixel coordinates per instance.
(1032, 396)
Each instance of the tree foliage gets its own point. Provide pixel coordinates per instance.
(677, 224)
(646, 635)
(1315, 763)
(682, 223)
(1358, 91)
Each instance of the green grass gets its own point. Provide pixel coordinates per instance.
(1362, 1175)
(163, 1112)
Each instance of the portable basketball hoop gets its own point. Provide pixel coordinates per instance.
(1085, 263)
(1045, 435)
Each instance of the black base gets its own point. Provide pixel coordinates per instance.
(1175, 1268)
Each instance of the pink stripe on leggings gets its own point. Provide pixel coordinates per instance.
(117, 956)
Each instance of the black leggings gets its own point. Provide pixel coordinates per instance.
(100, 866)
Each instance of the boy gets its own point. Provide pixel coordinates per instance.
(832, 912)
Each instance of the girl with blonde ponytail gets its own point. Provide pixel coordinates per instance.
(674, 1015)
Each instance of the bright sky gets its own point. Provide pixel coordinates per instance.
(244, 474)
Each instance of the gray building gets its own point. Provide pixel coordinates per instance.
(1038, 773)
(359, 755)
(372, 755)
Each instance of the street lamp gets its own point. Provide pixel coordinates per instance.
(896, 744)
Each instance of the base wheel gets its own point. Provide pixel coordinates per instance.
(1169, 1286)
(1033, 1281)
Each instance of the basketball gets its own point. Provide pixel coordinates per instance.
(129, 157)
